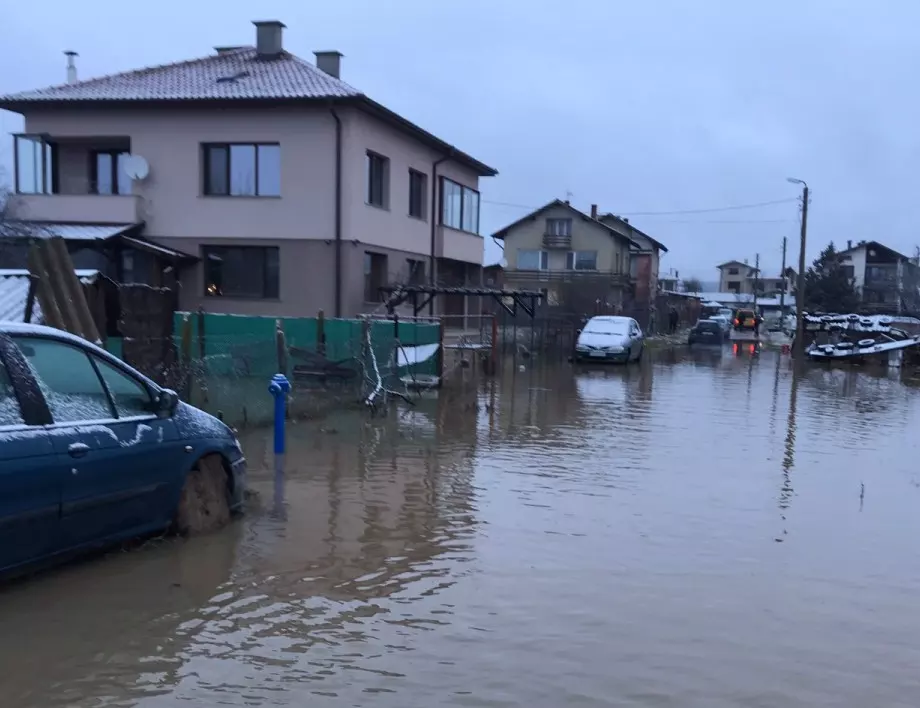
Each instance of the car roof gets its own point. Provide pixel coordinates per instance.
(610, 318)
(22, 328)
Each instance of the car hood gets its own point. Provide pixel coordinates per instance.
(593, 339)
(193, 423)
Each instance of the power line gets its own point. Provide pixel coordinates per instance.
(676, 212)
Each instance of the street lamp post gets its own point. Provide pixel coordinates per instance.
(800, 279)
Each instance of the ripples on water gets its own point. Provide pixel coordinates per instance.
(687, 533)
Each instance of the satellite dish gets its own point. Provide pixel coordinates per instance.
(503, 263)
(136, 167)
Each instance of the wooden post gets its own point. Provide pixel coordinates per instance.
(73, 289)
(281, 347)
(494, 354)
(321, 333)
(186, 354)
(30, 300)
(202, 348)
(440, 352)
(38, 268)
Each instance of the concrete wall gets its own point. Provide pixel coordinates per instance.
(177, 213)
(307, 278)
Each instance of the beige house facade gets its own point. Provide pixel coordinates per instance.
(256, 181)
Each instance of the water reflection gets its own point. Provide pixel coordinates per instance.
(508, 543)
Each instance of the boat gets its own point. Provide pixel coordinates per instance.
(857, 336)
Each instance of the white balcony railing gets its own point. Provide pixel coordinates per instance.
(78, 208)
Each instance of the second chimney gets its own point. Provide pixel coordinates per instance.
(268, 38)
(329, 62)
(71, 66)
(594, 211)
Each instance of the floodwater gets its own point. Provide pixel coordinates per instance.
(705, 530)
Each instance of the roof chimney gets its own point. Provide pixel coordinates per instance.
(849, 244)
(329, 62)
(71, 66)
(594, 211)
(268, 38)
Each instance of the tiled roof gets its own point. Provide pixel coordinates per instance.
(237, 74)
(69, 232)
(14, 290)
(232, 74)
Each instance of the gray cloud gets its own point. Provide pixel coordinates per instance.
(657, 106)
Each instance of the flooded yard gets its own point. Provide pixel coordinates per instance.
(704, 530)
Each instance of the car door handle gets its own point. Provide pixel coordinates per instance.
(78, 449)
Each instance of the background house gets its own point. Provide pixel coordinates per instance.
(258, 182)
(736, 277)
(887, 281)
(578, 262)
(644, 256)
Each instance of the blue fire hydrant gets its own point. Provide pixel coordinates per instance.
(279, 389)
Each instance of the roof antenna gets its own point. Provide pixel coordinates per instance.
(71, 66)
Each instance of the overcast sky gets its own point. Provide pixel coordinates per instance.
(654, 106)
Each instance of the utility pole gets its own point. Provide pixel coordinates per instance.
(782, 292)
(800, 289)
(756, 279)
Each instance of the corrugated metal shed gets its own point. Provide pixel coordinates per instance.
(14, 291)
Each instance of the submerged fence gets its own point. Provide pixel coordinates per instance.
(223, 363)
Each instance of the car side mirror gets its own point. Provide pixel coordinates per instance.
(166, 402)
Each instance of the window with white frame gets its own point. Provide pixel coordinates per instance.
(532, 260)
(581, 260)
(559, 227)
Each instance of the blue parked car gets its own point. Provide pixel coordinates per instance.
(93, 452)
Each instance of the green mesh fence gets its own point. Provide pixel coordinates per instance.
(231, 364)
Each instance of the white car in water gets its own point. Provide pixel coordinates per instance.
(610, 338)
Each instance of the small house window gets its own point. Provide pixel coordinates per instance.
(416, 271)
(559, 227)
(241, 271)
(108, 175)
(733, 271)
(242, 169)
(378, 180)
(418, 182)
(532, 260)
(375, 275)
(581, 260)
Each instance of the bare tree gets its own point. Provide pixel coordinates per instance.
(693, 285)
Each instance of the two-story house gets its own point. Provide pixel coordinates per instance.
(568, 255)
(887, 281)
(737, 277)
(262, 182)
(645, 257)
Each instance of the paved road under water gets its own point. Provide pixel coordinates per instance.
(687, 533)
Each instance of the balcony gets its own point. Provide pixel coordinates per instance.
(459, 245)
(563, 241)
(74, 179)
(78, 208)
(532, 277)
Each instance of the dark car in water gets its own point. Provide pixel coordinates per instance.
(707, 332)
(93, 453)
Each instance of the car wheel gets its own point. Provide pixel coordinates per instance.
(204, 504)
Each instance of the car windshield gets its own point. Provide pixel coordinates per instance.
(606, 328)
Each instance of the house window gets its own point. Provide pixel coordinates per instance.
(532, 260)
(849, 271)
(734, 286)
(375, 275)
(418, 186)
(733, 271)
(107, 172)
(241, 271)
(416, 271)
(35, 165)
(559, 227)
(581, 260)
(378, 180)
(459, 206)
(242, 169)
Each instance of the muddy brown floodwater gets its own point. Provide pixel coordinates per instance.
(693, 532)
